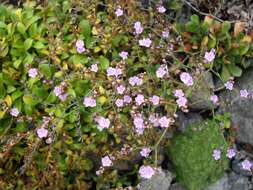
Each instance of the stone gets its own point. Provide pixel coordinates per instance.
(231, 181)
(199, 99)
(177, 186)
(185, 119)
(239, 108)
(159, 181)
(221, 184)
(238, 182)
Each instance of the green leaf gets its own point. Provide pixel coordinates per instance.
(29, 100)
(28, 59)
(195, 19)
(21, 28)
(39, 45)
(17, 63)
(104, 62)
(225, 74)
(28, 43)
(225, 27)
(235, 70)
(244, 48)
(85, 28)
(15, 95)
(45, 70)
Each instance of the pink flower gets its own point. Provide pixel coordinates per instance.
(146, 172)
(58, 90)
(179, 93)
(14, 112)
(94, 68)
(139, 124)
(113, 72)
(119, 12)
(216, 154)
(33, 72)
(138, 28)
(209, 56)
(63, 96)
(231, 153)
(244, 93)
(161, 9)
(103, 123)
(229, 85)
(154, 120)
(214, 99)
(42, 132)
(165, 34)
(89, 101)
(80, 50)
(181, 102)
(135, 81)
(162, 71)
(186, 79)
(127, 99)
(123, 55)
(145, 152)
(145, 42)
(155, 100)
(106, 161)
(119, 102)
(121, 89)
(164, 122)
(79, 44)
(246, 165)
(139, 99)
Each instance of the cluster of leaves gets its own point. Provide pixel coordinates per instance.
(44, 37)
(233, 47)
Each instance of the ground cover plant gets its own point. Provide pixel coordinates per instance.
(87, 85)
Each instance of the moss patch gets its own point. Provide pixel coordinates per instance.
(191, 154)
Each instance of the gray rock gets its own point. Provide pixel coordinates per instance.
(160, 181)
(240, 108)
(231, 181)
(177, 186)
(199, 99)
(221, 184)
(185, 119)
(238, 182)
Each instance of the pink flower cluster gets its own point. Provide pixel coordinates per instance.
(135, 81)
(146, 172)
(138, 28)
(181, 100)
(103, 123)
(60, 92)
(89, 101)
(80, 46)
(33, 72)
(145, 42)
(114, 72)
(186, 78)
(209, 56)
(217, 153)
(162, 71)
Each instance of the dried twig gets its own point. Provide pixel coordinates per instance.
(200, 12)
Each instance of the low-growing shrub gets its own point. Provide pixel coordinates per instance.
(85, 84)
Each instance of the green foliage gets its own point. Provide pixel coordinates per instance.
(191, 153)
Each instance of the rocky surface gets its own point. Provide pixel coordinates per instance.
(231, 181)
(160, 181)
(240, 108)
(199, 99)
